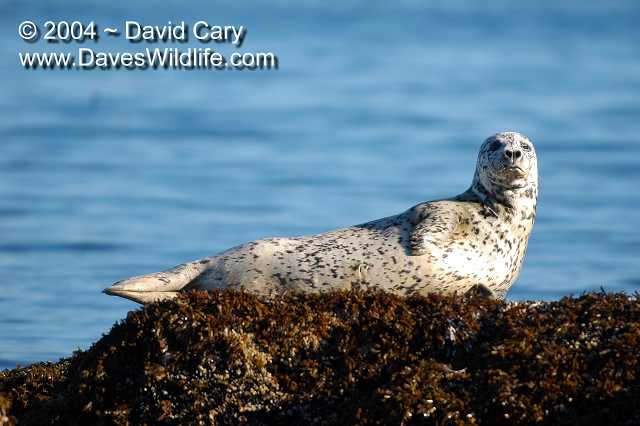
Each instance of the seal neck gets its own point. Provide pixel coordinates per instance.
(521, 200)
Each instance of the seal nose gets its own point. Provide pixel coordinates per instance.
(512, 155)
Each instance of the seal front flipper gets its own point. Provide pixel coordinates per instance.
(159, 285)
(431, 226)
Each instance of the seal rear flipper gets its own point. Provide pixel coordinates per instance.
(143, 297)
(159, 285)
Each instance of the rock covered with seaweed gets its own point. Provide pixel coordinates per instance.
(346, 358)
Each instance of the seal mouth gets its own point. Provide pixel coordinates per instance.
(519, 171)
(517, 186)
(510, 177)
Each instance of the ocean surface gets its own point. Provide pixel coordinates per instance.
(374, 108)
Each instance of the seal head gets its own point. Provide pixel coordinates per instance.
(506, 171)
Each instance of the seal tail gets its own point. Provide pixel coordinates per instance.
(159, 285)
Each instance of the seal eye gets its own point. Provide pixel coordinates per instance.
(526, 147)
(493, 146)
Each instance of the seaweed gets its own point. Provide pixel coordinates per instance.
(360, 357)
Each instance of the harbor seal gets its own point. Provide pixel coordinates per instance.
(473, 241)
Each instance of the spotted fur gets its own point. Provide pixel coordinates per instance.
(474, 240)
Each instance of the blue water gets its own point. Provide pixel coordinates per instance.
(108, 174)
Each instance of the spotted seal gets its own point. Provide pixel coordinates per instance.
(475, 240)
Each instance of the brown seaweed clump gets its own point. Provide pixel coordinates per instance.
(346, 358)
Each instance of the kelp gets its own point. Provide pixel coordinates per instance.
(360, 357)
